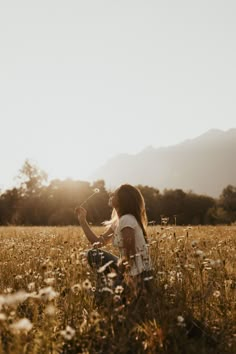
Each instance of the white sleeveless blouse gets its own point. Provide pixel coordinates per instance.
(142, 259)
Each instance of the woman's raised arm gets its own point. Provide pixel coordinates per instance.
(91, 236)
(128, 243)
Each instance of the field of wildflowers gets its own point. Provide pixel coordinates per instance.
(51, 301)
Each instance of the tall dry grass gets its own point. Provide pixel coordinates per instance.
(51, 302)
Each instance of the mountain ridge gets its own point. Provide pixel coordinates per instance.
(204, 165)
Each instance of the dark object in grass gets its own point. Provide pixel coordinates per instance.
(197, 330)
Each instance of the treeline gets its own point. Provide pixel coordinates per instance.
(35, 203)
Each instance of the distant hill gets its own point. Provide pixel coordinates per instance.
(204, 165)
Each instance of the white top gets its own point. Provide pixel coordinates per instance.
(141, 259)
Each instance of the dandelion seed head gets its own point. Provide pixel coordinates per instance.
(95, 191)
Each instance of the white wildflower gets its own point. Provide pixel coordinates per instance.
(87, 284)
(180, 321)
(199, 253)
(49, 281)
(50, 310)
(48, 294)
(76, 289)
(212, 262)
(112, 275)
(180, 318)
(116, 298)
(106, 289)
(16, 298)
(194, 243)
(228, 283)
(94, 317)
(23, 325)
(153, 242)
(8, 290)
(3, 317)
(31, 286)
(216, 293)
(68, 333)
(119, 289)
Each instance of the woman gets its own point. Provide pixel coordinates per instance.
(127, 231)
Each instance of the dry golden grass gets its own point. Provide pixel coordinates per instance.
(49, 302)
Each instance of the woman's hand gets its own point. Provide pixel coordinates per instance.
(81, 213)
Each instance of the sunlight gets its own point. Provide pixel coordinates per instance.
(68, 165)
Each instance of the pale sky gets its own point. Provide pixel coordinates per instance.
(82, 81)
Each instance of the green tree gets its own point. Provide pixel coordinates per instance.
(152, 201)
(228, 198)
(31, 178)
(10, 207)
(227, 202)
(31, 186)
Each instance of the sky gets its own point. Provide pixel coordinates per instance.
(82, 81)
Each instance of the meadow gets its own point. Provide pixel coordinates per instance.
(50, 301)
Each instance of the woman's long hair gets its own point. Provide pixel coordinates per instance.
(130, 201)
